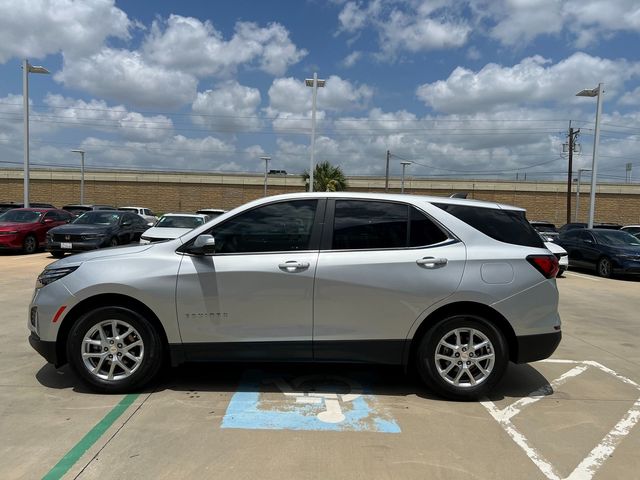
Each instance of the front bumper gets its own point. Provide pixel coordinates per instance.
(78, 246)
(532, 348)
(46, 349)
(11, 242)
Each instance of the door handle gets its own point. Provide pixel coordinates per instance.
(293, 265)
(431, 262)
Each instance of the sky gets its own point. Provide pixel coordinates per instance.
(460, 88)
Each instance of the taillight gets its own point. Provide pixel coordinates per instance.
(547, 265)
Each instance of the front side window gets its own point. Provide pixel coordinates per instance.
(278, 227)
(362, 224)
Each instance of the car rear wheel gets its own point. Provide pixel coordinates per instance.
(604, 267)
(114, 350)
(463, 357)
(30, 244)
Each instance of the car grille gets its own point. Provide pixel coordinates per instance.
(61, 237)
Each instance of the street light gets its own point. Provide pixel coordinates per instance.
(404, 165)
(26, 69)
(266, 167)
(313, 83)
(81, 152)
(580, 170)
(595, 92)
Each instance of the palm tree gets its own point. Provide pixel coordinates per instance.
(327, 178)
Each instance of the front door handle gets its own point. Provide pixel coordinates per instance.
(431, 262)
(293, 266)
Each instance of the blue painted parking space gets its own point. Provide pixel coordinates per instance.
(314, 402)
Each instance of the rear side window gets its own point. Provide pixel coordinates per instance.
(506, 226)
(369, 225)
(360, 224)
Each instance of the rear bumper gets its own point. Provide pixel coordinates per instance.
(532, 348)
(46, 349)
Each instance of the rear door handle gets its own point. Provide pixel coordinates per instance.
(293, 265)
(431, 262)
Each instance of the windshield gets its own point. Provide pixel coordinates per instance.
(179, 222)
(20, 216)
(617, 238)
(97, 217)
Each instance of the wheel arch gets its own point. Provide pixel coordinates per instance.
(461, 308)
(104, 300)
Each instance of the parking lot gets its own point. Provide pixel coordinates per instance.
(573, 416)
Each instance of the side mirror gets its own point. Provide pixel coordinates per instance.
(203, 245)
(150, 224)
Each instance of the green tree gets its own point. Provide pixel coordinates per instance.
(327, 178)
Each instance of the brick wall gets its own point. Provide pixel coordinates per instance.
(189, 192)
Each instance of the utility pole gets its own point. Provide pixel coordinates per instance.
(572, 138)
(386, 175)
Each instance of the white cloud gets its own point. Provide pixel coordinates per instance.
(533, 80)
(229, 107)
(97, 115)
(125, 76)
(196, 47)
(630, 98)
(517, 22)
(36, 28)
(291, 95)
(351, 59)
(411, 26)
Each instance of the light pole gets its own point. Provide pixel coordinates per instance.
(27, 68)
(596, 92)
(266, 171)
(81, 152)
(580, 170)
(404, 166)
(313, 83)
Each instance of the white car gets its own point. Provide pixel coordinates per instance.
(561, 254)
(173, 225)
(145, 213)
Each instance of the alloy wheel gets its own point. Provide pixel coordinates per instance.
(112, 350)
(464, 357)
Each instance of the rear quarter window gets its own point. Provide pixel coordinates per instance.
(508, 226)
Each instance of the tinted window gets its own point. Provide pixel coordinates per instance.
(617, 238)
(278, 227)
(98, 218)
(584, 235)
(507, 226)
(361, 224)
(423, 231)
(179, 221)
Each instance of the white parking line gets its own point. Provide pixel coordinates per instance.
(583, 276)
(587, 468)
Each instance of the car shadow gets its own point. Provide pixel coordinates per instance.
(618, 276)
(519, 380)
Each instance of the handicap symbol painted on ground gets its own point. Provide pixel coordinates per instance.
(313, 402)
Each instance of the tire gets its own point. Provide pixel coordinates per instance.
(57, 254)
(604, 267)
(29, 244)
(142, 360)
(461, 378)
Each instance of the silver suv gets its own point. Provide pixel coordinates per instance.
(451, 287)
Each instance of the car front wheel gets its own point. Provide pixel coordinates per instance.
(463, 357)
(604, 267)
(30, 244)
(114, 350)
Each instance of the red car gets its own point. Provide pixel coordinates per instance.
(26, 228)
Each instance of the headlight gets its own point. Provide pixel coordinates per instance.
(93, 236)
(52, 274)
